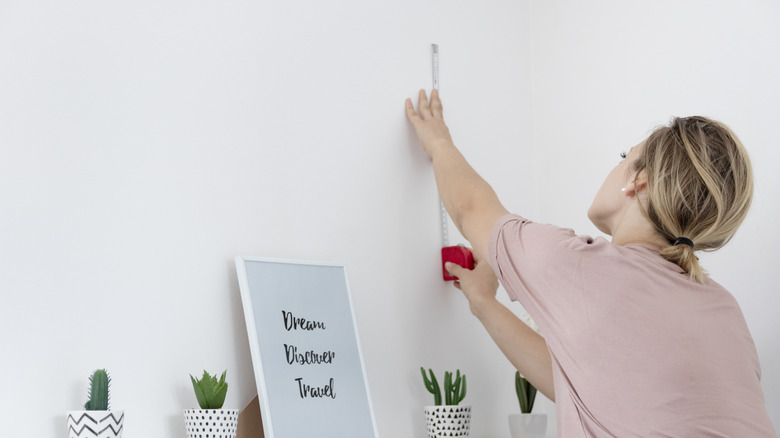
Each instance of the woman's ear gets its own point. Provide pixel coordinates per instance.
(640, 183)
(636, 185)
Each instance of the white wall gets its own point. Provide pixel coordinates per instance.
(606, 73)
(143, 145)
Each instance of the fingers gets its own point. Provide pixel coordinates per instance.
(422, 104)
(425, 109)
(410, 112)
(454, 269)
(436, 107)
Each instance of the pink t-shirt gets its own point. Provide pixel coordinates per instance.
(638, 349)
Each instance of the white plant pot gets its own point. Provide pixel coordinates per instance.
(528, 425)
(95, 424)
(211, 423)
(448, 421)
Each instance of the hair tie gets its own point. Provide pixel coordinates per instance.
(683, 241)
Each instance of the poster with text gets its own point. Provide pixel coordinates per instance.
(305, 349)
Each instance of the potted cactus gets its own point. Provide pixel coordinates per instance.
(448, 419)
(96, 420)
(210, 421)
(525, 424)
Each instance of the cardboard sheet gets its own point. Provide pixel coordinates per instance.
(250, 423)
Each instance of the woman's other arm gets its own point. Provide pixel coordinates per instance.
(524, 348)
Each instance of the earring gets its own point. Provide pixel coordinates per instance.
(623, 190)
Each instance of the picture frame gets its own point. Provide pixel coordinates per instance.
(305, 348)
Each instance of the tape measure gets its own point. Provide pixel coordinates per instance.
(458, 254)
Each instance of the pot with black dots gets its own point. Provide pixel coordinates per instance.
(210, 421)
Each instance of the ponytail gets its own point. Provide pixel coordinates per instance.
(700, 186)
(683, 256)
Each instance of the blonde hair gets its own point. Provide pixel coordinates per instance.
(700, 185)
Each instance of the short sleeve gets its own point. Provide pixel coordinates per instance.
(538, 265)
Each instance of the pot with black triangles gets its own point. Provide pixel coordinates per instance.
(447, 418)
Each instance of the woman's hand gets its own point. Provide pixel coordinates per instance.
(470, 201)
(478, 285)
(428, 121)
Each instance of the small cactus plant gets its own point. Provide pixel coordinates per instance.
(432, 386)
(526, 393)
(99, 383)
(454, 390)
(210, 392)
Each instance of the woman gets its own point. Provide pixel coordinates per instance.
(638, 341)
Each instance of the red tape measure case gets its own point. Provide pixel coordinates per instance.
(456, 254)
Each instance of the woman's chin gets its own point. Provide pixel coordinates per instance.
(599, 224)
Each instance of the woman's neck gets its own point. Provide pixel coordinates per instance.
(634, 227)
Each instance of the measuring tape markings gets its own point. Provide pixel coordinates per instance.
(457, 254)
(445, 235)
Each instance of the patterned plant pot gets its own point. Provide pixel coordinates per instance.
(95, 424)
(211, 423)
(448, 421)
(528, 425)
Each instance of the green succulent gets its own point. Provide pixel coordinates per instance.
(210, 392)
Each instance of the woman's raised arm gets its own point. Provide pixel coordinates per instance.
(469, 199)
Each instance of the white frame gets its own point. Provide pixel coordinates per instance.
(254, 344)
